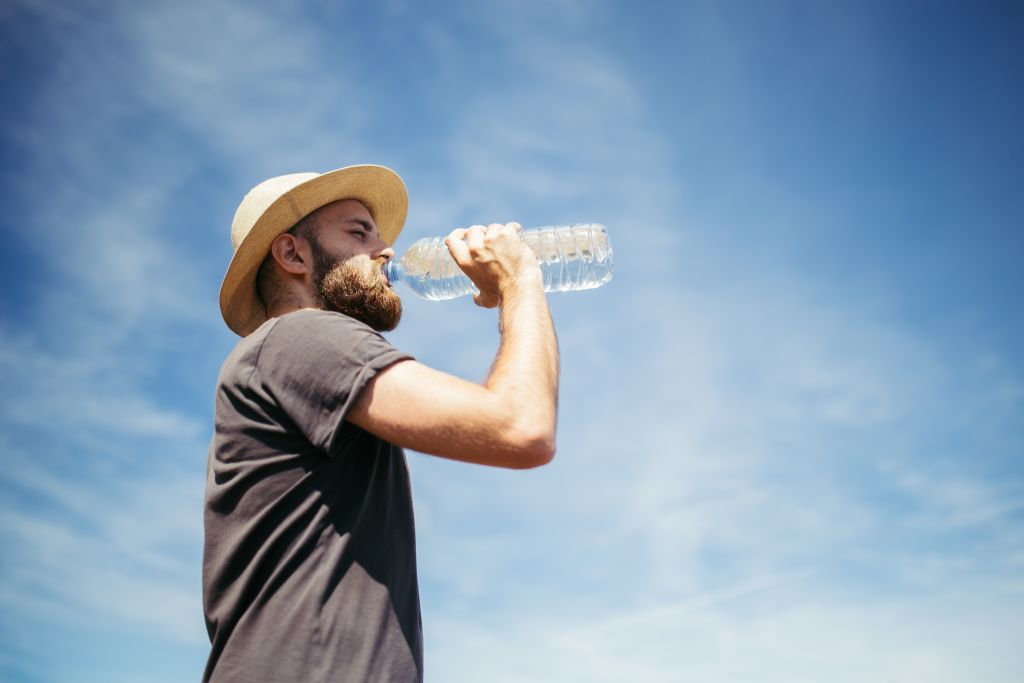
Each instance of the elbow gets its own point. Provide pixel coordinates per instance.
(532, 449)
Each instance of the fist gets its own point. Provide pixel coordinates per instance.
(494, 258)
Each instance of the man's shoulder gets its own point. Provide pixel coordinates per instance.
(306, 331)
(243, 357)
(313, 317)
(296, 338)
(302, 323)
(311, 326)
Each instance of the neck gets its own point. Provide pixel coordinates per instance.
(290, 302)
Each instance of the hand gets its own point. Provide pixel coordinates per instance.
(495, 259)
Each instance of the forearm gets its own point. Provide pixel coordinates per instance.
(525, 371)
(510, 420)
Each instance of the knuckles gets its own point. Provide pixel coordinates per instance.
(485, 244)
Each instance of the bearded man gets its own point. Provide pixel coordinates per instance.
(309, 565)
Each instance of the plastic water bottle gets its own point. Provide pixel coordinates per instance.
(571, 257)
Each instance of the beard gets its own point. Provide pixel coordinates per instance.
(344, 288)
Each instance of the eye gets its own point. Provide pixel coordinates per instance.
(360, 234)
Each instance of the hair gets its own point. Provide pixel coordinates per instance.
(268, 285)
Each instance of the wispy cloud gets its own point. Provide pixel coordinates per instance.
(254, 94)
(83, 549)
(785, 638)
(732, 431)
(758, 478)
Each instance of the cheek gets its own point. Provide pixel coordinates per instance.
(340, 257)
(339, 247)
(361, 266)
(363, 263)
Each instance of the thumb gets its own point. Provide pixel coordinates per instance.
(484, 300)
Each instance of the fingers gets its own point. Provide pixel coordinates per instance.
(495, 229)
(463, 241)
(491, 256)
(456, 243)
(475, 238)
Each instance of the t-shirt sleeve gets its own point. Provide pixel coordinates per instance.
(314, 365)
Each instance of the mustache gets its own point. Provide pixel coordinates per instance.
(381, 263)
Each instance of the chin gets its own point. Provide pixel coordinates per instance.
(367, 298)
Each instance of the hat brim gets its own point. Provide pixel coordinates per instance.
(379, 188)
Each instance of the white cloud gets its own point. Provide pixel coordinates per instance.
(714, 436)
(124, 550)
(717, 460)
(103, 523)
(259, 84)
(89, 394)
(950, 503)
(784, 634)
(721, 442)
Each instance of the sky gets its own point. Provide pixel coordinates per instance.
(791, 428)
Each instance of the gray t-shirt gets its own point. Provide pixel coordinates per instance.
(309, 563)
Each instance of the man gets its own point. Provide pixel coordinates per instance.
(309, 568)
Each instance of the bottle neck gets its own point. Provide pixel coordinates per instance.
(393, 270)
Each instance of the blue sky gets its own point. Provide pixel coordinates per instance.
(791, 428)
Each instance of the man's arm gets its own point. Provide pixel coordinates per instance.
(510, 420)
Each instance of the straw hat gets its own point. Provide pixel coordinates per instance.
(275, 205)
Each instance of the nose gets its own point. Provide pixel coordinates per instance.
(387, 252)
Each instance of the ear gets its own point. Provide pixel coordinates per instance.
(292, 254)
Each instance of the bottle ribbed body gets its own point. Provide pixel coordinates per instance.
(571, 257)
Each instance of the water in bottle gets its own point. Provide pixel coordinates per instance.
(571, 257)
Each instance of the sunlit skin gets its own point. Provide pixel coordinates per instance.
(507, 421)
(347, 234)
